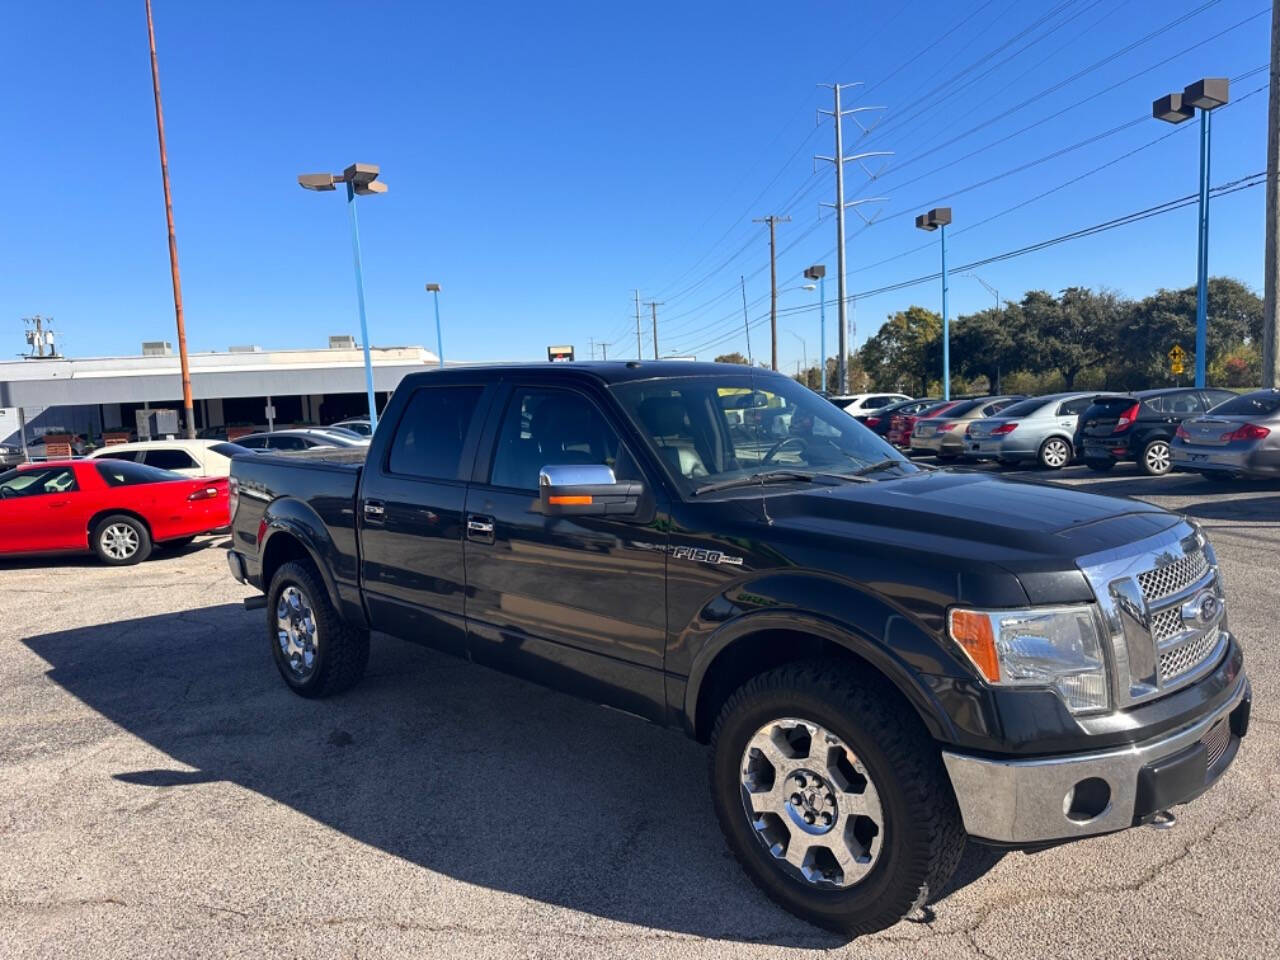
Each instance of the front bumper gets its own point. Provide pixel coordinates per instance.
(1062, 798)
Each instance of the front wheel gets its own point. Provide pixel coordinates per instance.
(1156, 460)
(317, 653)
(1055, 453)
(837, 809)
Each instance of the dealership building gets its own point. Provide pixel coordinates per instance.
(245, 386)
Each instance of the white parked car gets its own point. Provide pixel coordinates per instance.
(861, 404)
(191, 458)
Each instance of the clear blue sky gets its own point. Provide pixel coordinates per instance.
(545, 159)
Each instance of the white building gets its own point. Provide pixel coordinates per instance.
(91, 395)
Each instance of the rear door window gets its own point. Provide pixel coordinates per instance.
(1215, 397)
(286, 443)
(1071, 408)
(432, 433)
(169, 459)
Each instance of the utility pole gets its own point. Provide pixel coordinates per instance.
(188, 411)
(773, 220)
(1270, 327)
(604, 350)
(591, 345)
(639, 353)
(38, 337)
(654, 305)
(838, 161)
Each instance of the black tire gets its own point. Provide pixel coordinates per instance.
(1099, 466)
(120, 540)
(341, 650)
(1055, 453)
(1156, 459)
(923, 834)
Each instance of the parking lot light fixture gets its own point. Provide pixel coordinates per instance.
(819, 272)
(937, 219)
(361, 180)
(434, 290)
(1205, 95)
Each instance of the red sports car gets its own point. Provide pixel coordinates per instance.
(116, 508)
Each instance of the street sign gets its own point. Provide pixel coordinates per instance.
(1176, 357)
(560, 354)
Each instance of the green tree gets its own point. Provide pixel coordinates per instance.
(900, 354)
(734, 357)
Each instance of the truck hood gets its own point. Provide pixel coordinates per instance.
(1007, 522)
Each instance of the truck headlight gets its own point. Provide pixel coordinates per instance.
(1058, 647)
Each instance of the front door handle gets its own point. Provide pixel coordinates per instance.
(480, 528)
(374, 510)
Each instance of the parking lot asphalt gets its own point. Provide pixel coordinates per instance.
(162, 794)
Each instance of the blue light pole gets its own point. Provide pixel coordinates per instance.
(362, 179)
(937, 219)
(1207, 94)
(434, 290)
(819, 272)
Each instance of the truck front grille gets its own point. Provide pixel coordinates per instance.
(1167, 580)
(1188, 655)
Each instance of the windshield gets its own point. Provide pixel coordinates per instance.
(708, 430)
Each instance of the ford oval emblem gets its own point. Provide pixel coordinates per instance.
(1201, 610)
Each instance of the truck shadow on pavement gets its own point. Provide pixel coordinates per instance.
(467, 772)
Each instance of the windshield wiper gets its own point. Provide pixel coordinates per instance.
(878, 466)
(773, 476)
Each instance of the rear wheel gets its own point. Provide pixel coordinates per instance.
(1055, 453)
(835, 804)
(1099, 466)
(317, 652)
(121, 540)
(1156, 460)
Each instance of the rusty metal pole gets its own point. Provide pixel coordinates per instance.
(188, 411)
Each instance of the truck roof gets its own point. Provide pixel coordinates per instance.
(604, 371)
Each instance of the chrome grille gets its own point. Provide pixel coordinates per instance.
(1216, 742)
(1169, 579)
(1185, 657)
(1165, 624)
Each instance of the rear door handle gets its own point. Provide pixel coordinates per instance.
(479, 528)
(374, 510)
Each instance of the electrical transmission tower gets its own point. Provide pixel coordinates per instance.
(838, 161)
(773, 220)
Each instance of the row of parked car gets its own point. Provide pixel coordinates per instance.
(1213, 432)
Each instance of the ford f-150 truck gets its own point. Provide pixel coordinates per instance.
(884, 658)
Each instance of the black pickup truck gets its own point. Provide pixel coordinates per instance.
(885, 659)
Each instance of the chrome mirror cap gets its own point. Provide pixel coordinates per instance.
(576, 475)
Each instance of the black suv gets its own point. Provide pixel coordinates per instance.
(1138, 426)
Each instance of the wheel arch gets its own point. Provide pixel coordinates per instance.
(763, 642)
(102, 514)
(284, 542)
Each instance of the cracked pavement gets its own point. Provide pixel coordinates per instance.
(162, 794)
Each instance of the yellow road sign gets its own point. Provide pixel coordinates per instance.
(1175, 366)
(1177, 355)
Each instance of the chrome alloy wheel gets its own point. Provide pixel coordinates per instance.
(1158, 458)
(119, 541)
(811, 803)
(296, 632)
(1055, 453)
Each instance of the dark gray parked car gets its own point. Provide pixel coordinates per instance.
(1238, 438)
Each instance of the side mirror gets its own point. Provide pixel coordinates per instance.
(587, 489)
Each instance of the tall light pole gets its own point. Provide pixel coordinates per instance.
(1271, 264)
(187, 407)
(361, 179)
(804, 352)
(819, 272)
(434, 290)
(1207, 94)
(937, 219)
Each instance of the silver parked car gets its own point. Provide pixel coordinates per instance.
(300, 439)
(944, 435)
(1038, 428)
(1238, 438)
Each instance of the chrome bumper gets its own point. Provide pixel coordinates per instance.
(1027, 801)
